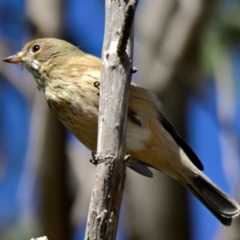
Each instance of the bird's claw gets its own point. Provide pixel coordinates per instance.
(94, 159)
(97, 85)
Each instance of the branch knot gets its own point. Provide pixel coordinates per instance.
(96, 158)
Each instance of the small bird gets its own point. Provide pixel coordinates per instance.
(70, 80)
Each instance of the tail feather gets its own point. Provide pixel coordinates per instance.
(223, 207)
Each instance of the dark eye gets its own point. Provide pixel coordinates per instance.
(35, 48)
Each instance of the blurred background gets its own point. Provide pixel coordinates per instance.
(187, 52)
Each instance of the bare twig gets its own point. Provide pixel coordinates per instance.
(126, 27)
(114, 92)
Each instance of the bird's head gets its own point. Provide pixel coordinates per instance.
(40, 55)
(39, 51)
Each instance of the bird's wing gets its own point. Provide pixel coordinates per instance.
(172, 131)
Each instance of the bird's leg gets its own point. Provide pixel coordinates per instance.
(94, 159)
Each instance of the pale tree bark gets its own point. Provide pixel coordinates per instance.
(114, 92)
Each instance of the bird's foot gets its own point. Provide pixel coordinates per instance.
(97, 85)
(94, 159)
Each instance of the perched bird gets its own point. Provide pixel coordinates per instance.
(70, 80)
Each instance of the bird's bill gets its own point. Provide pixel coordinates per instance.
(13, 59)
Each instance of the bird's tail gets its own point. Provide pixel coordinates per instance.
(223, 207)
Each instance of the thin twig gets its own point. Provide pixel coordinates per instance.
(126, 27)
(114, 93)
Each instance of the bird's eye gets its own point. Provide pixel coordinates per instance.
(35, 48)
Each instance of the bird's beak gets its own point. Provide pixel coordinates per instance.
(17, 58)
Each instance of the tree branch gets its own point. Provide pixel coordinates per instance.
(126, 27)
(114, 92)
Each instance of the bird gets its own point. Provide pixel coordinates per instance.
(70, 80)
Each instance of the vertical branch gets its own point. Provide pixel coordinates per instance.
(114, 92)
